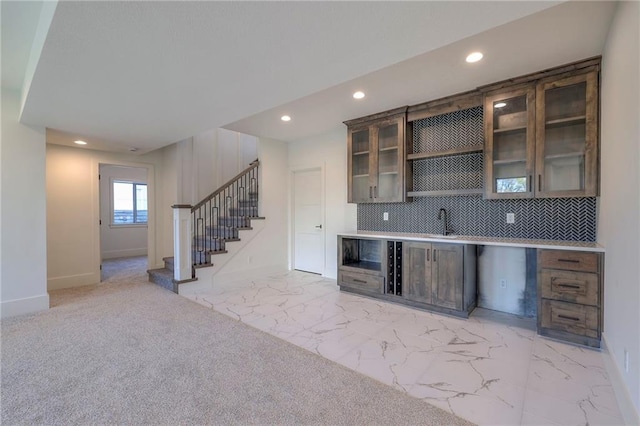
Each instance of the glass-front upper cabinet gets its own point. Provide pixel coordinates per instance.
(376, 152)
(390, 160)
(567, 137)
(359, 160)
(509, 151)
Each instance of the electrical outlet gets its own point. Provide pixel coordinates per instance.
(511, 218)
(626, 361)
(503, 283)
(385, 216)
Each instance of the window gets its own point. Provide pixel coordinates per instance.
(129, 203)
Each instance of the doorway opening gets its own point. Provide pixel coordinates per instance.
(124, 220)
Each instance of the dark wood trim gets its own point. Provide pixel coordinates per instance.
(378, 116)
(472, 191)
(181, 206)
(457, 102)
(587, 65)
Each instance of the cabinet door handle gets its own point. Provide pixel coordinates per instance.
(530, 179)
(359, 281)
(434, 255)
(539, 182)
(569, 318)
(569, 260)
(375, 191)
(370, 192)
(428, 250)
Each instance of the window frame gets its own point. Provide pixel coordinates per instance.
(133, 224)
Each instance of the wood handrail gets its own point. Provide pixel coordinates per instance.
(253, 165)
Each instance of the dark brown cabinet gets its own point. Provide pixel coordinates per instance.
(541, 139)
(570, 301)
(361, 265)
(376, 158)
(441, 275)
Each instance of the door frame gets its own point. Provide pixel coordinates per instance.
(292, 207)
(151, 212)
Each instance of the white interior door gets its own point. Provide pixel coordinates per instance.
(308, 221)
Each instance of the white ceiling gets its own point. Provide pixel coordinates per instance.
(147, 74)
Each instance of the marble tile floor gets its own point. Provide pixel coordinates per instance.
(491, 369)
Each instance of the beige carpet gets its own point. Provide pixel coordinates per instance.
(129, 352)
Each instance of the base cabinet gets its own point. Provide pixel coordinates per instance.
(440, 275)
(570, 302)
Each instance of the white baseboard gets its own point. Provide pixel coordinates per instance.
(625, 402)
(114, 254)
(79, 280)
(29, 305)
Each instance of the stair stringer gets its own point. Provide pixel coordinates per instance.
(233, 249)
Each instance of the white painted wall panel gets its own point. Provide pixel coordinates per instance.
(328, 151)
(23, 245)
(619, 218)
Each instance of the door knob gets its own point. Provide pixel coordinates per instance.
(319, 226)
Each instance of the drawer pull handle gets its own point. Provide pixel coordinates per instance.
(569, 260)
(569, 318)
(359, 281)
(569, 286)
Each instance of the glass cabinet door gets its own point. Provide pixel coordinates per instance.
(509, 144)
(567, 137)
(360, 189)
(388, 137)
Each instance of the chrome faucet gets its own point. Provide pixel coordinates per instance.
(442, 215)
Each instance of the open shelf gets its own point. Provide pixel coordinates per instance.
(389, 173)
(361, 175)
(470, 191)
(435, 154)
(360, 153)
(371, 266)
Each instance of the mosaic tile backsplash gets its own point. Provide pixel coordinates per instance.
(569, 219)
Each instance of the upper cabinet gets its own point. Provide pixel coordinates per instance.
(509, 146)
(376, 158)
(567, 137)
(541, 139)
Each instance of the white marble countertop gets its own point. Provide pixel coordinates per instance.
(487, 241)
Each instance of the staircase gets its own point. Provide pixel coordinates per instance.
(216, 221)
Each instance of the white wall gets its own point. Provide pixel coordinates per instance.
(23, 245)
(73, 230)
(119, 240)
(619, 218)
(328, 151)
(268, 249)
(218, 156)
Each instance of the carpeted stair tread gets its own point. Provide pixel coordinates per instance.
(164, 278)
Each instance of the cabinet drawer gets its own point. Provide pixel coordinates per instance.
(361, 281)
(569, 286)
(570, 317)
(568, 260)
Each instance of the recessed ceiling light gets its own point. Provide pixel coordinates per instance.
(80, 142)
(500, 105)
(285, 118)
(474, 57)
(358, 95)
